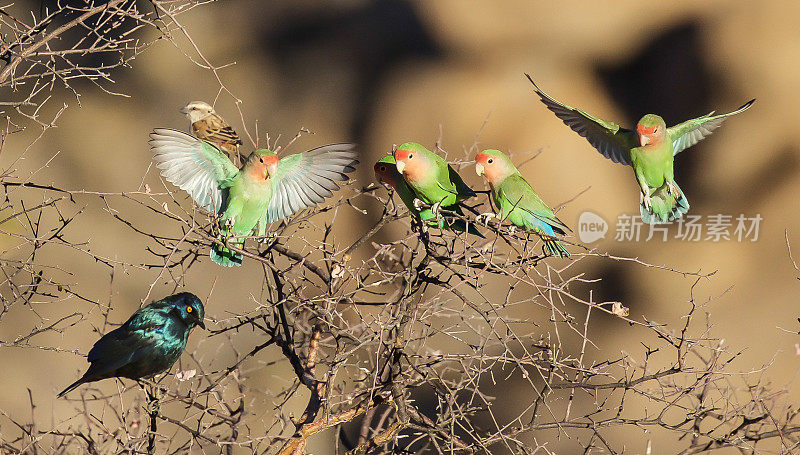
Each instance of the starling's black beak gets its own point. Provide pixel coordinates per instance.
(200, 323)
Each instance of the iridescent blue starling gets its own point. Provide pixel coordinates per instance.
(146, 344)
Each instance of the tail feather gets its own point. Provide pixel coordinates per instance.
(554, 248)
(225, 256)
(664, 206)
(72, 387)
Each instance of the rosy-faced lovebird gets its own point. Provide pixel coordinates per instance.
(650, 149)
(148, 343)
(387, 174)
(433, 181)
(266, 189)
(518, 203)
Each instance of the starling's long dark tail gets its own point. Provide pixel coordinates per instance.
(72, 387)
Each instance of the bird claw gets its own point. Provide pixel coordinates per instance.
(267, 237)
(154, 407)
(645, 199)
(673, 188)
(424, 227)
(487, 216)
(418, 204)
(512, 229)
(435, 209)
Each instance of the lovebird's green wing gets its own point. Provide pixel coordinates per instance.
(192, 165)
(610, 139)
(516, 193)
(407, 195)
(305, 179)
(450, 188)
(690, 132)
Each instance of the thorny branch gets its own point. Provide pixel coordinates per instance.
(404, 340)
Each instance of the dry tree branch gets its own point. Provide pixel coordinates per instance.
(432, 341)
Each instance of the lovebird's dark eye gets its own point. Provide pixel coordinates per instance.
(490, 161)
(655, 130)
(261, 159)
(410, 155)
(383, 169)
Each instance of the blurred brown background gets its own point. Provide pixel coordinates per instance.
(385, 72)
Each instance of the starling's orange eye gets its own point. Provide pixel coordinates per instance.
(189, 309)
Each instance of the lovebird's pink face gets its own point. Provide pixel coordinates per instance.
(409, 163)
(490, 167)
(650, 135)
(384, 174)
(263, 167)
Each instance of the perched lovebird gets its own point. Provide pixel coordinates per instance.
(210, 126)
(650, 150)
(148, 343)
(518, 203)
(386, 173)
(433, 181)
(266, 189)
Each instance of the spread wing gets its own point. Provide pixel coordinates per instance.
(610, 139)
(690, 132)
(306, 179)
(192, 165)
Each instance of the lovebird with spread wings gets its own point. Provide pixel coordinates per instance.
(266, 189)
(650, 150)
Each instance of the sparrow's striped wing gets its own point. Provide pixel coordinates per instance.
(214, 129)
(306, 179)
(690, 132)
(192, 165)
(610, 139)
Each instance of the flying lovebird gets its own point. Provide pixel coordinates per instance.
(147, 344)
(264, 190)
(650, 149)
(209, 126)
(386, 173)
(518, 203)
